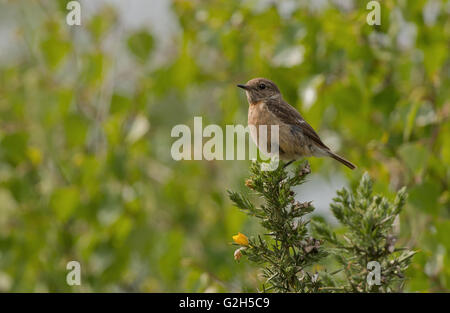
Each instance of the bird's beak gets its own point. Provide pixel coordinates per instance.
(243, 87)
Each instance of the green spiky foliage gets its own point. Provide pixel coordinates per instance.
(370, 236)
(289, 249)
(286, 251)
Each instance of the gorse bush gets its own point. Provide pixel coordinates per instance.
(290, 250)
(370, 238)
(296, 258)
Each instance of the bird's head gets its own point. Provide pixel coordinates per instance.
(260, 89)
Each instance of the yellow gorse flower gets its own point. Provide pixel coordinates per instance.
(241, 239)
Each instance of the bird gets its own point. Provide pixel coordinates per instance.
(297, 139)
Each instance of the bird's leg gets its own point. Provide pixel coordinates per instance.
(288, 163)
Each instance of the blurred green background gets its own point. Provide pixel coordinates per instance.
(86, 113)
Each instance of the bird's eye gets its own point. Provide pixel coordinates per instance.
(262, 86)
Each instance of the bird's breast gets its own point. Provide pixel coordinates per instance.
(291, 143)
(259, 114)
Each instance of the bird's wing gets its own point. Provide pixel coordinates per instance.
(287, 114)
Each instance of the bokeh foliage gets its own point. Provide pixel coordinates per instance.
(85, 166)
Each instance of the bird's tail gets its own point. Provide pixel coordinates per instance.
(342, 160)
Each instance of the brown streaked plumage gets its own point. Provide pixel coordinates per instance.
(296, 137)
